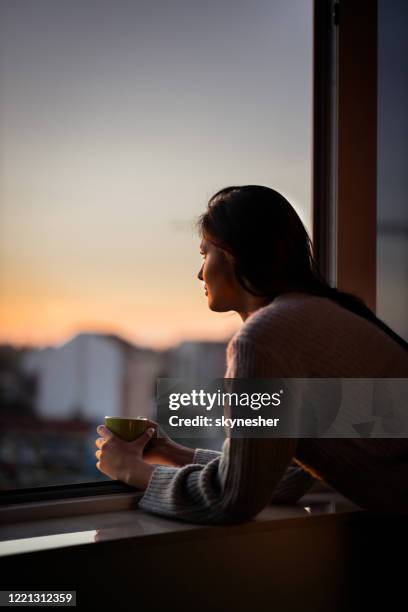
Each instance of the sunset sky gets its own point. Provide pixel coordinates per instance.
(118, 121)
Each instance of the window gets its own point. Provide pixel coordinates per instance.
(392, 185)
(119, 121)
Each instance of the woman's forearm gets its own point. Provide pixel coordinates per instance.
(183, 455)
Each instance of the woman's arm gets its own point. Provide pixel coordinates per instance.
(187, 455)
(237, 484)
(229, 489)
(294, 483)
(204, 456)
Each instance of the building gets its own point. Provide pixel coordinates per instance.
(93, 375)
(199, 360)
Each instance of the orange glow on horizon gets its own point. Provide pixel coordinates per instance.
(51, 322)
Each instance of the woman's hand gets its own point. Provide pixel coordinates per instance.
(121, 460)
(163, 450)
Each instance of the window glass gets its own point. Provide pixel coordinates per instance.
(118, 121)
(392, 207)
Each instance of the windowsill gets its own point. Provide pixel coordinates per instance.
(66, 508)
(119, 518)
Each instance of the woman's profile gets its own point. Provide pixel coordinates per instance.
(258, 262)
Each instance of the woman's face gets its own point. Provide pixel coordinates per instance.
(220, 284)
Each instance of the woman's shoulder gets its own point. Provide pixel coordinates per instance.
(315, 328)
(303, 313)
(274, 334)
(274, 325)
(286, 314)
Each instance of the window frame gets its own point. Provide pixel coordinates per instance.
(344, 166)
(343, 205)
(66, 491)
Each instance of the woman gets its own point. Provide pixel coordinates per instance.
(258, 262)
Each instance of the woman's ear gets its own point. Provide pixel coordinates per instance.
(228, 256)
(248, 283)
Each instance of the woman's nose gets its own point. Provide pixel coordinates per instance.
(200, 274)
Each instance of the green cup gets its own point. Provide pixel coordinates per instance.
(129, 429)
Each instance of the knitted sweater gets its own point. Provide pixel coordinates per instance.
(296, 335)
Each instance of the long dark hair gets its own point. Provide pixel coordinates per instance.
(271, 249)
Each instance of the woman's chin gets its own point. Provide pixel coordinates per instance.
(217, 307)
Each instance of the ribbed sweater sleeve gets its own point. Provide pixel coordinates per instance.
(294, 483)
(203, 456)
(234, 486)
(292, 486)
